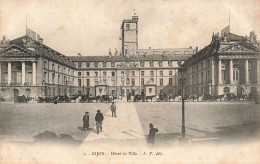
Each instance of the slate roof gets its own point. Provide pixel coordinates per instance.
(213, 48)
(130, 58)
(43, 50)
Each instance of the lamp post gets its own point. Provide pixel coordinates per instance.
(182, 81)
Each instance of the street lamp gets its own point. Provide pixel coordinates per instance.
(182, 81)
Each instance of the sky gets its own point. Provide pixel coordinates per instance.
(92, 27)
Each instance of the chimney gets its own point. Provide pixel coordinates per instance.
(79, 54)
(196, 50)
(149, 47)
(41, 40)
(109, 53)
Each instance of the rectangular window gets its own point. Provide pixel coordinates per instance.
(45, 77)
(170, 73)
(87, 73)
(88, 84)
(58, 68)
(201, 66)
(161, 81)
(79, 74)
(133, 73)
(142, 81)
(53, 67)
(122, 81)
(113, 73)
(142, 73)
(104, 64)
(161, 73)
(87, 64)
(58, 79)
(113, 82)
(53, 78)
(96, 81)
(127, 26)
(122, 72)
(151, 73)
(201, 77)
(170, 81)
(79, 82)
(45, 64)
(96, 74)
(133, 81)
(104, 74)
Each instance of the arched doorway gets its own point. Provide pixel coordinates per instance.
(15, 94)
(240, 91)
(226, 90)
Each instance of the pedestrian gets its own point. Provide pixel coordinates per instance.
(99, 118)
(151, 135)
(86, 121)
(113, 109)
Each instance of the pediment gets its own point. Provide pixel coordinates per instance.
(16, 51)
(238, 47)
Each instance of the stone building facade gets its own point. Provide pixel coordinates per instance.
(229, 64)
(30, 68)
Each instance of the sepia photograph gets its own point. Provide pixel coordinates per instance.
(121, 81)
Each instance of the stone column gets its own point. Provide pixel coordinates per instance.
(246, 71)
(219, 72)
(213, 72)
(231, 71)
(257, 71)
(34, 72)
(9, 75)
(23, 73)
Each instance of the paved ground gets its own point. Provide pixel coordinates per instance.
(123, 138)
(36, 122)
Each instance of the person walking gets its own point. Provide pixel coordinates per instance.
(86, 121)
(113, 109)
(99, 119)
(151, 135)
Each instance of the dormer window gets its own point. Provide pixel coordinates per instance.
(142, 63)
(87, 64)
(112, 64)
(104, 64)
(170, 63)
(151, 63)
(80, 63)
(96, 64)
(160, 63)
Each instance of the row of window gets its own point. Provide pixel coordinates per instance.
(127, 81)
(59, 68)
(123, 72)
(104, 64)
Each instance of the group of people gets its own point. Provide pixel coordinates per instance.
(99, 120)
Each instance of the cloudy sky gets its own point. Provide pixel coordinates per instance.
(91, 27)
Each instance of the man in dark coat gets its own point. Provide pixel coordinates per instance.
(99, 119)
(113, 109)
(86, 121)
(151, 135)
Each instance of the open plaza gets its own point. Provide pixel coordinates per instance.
(221, 122)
